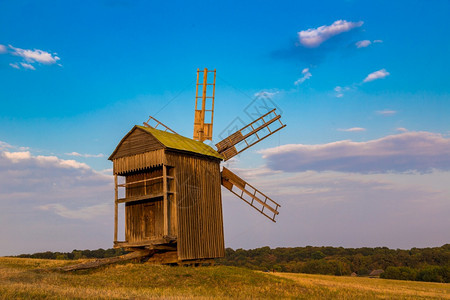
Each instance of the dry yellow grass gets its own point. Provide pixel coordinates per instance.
(364, 288)
(33, 278)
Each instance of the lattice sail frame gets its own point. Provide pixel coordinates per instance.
(250, 194)
(248, 135)
(204, 115)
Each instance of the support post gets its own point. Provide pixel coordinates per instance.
(116, 209)
(166, 202)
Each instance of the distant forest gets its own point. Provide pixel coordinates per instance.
(421, 264)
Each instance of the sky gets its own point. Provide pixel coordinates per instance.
(363, 87)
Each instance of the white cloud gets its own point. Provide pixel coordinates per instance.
(340, 91)
(27, 66)
(376, 75)
(313, 37)
(35, 55)
(15, 65)
(366, 43)
(45, 199)
(353, 129)
(266, 94)
(4, 146)
(306, 75)
(84, 213)
(351, 204)
(401, 129)
(405, 152)
(84, 155)
(386, 112)
(2, 49)
(17, 156)
(363, 44)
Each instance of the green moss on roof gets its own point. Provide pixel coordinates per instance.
(178, 142)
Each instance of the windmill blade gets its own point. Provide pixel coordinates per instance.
(204, 114)
(249, 135)
(250, 194)
(157, 123)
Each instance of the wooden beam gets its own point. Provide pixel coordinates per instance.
(165, 202)
(116, 208)
(149, 242)
(107, 261)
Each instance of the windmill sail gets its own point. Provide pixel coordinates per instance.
(249, 135)
(204, 114)
(157, 123)
(250, 194)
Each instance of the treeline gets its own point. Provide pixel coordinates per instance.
(421, 264)
(424, 264)
(76, 254)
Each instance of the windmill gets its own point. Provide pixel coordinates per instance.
(171, 185)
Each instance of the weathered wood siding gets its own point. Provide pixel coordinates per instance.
(138, 162)
(135, 142)
(144, 220)
(144, 188)
(199, 206)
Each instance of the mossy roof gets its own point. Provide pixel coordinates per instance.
(179, 142)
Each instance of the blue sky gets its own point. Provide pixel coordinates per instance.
(370, 76)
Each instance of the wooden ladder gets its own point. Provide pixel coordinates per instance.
(249, 135)
(250, 194)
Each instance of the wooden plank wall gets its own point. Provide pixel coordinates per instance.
(199, 206)
(138, 162)
(144, 219)
(138, 141)
(144, 188)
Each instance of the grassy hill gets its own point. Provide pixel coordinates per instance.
(32, 278)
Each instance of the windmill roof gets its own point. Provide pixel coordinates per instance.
(179, 142)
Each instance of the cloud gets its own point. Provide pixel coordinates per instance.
(401, 129)
(266, 94)
(306, 75)
(45, 199)
(340, 91)
(15, 65)
(366, 43)
(361, 210)
(35, 55)
(3, 49)
(376, 75)
(363, 44)
(314, 37)
(353, 129)
(27, 66)
(405, 152)
(15, 157)
(4, 146)
(84, 155)
(386, 112)
(84, 213)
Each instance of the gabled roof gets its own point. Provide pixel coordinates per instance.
(175, 141)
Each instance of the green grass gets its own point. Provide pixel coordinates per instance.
(33, 278)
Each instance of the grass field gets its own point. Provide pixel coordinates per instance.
(32, 278)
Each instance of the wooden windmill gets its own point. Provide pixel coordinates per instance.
(171, 185)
